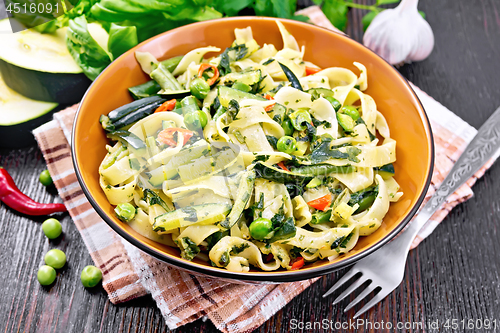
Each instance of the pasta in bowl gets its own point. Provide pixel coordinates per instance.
(250, 157)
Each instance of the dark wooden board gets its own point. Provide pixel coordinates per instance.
(454, 274)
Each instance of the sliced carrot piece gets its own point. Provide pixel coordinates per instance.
(297, 263)
(321, 203)
(312, 70)
(167, 106)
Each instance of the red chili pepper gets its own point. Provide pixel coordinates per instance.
(206, 67)
(297, 263)
(270, 107)
(321, 203)
(269, 97)
(167, 135)
(282, 166)
(15, 199)
(312, 70)
(167, 106)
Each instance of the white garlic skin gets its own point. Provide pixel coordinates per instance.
(400, 34)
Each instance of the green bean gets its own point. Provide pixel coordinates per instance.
(287, 144)
(241, 86)
(351, 111)
(172, 63)
(287, 126)
(165, 79)
(334, 102)
(194, 121)
(321, 217)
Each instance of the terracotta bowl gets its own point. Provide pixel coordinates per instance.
(395, 99)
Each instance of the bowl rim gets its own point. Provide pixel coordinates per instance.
(260, 276)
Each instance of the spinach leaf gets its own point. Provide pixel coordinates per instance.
(323, 152)
(189, 248)
(154, 199)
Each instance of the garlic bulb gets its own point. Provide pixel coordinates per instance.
(400, 34)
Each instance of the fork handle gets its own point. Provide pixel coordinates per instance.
(482, 148)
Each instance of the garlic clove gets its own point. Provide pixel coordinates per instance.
(400, 34)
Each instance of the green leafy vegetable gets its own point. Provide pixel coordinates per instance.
(84, 49)
(324, 152)
(121, 39)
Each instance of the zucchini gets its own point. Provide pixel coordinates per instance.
(242, 197)
(129, 138)
(320, 92)
(291, 77)
(40, 67)
(227, 94)
(131, 114)
(364, 198)
(20, 115)
(126, 109)
(209, 213)
(249, 78)
(385, 171)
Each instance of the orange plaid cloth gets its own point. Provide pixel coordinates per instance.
(183, 296)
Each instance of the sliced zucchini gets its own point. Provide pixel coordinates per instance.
(39, 66)
(385, 171)
(226, 94)
(209, 213)
(242, 197)
(19, 116)
(248, 78)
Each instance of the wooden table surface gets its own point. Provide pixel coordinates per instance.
(452, 275)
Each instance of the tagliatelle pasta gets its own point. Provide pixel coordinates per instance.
(254, 158)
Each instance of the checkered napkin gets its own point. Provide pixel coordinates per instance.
(182, 296)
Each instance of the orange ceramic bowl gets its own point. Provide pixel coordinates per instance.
(395, 99)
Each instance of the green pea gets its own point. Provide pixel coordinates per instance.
(51, 228)
(203, 119)
(242, 86)
(299, 118)
(55, 258)
(260, 228)
(125, 211)
(193, 121)
(45, 178)
(199, 88)
(46, 275)
(287, 144)
(90, 276)
(351, 111)
(287, 126)
(334, 102)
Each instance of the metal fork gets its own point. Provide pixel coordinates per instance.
(384, 269)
